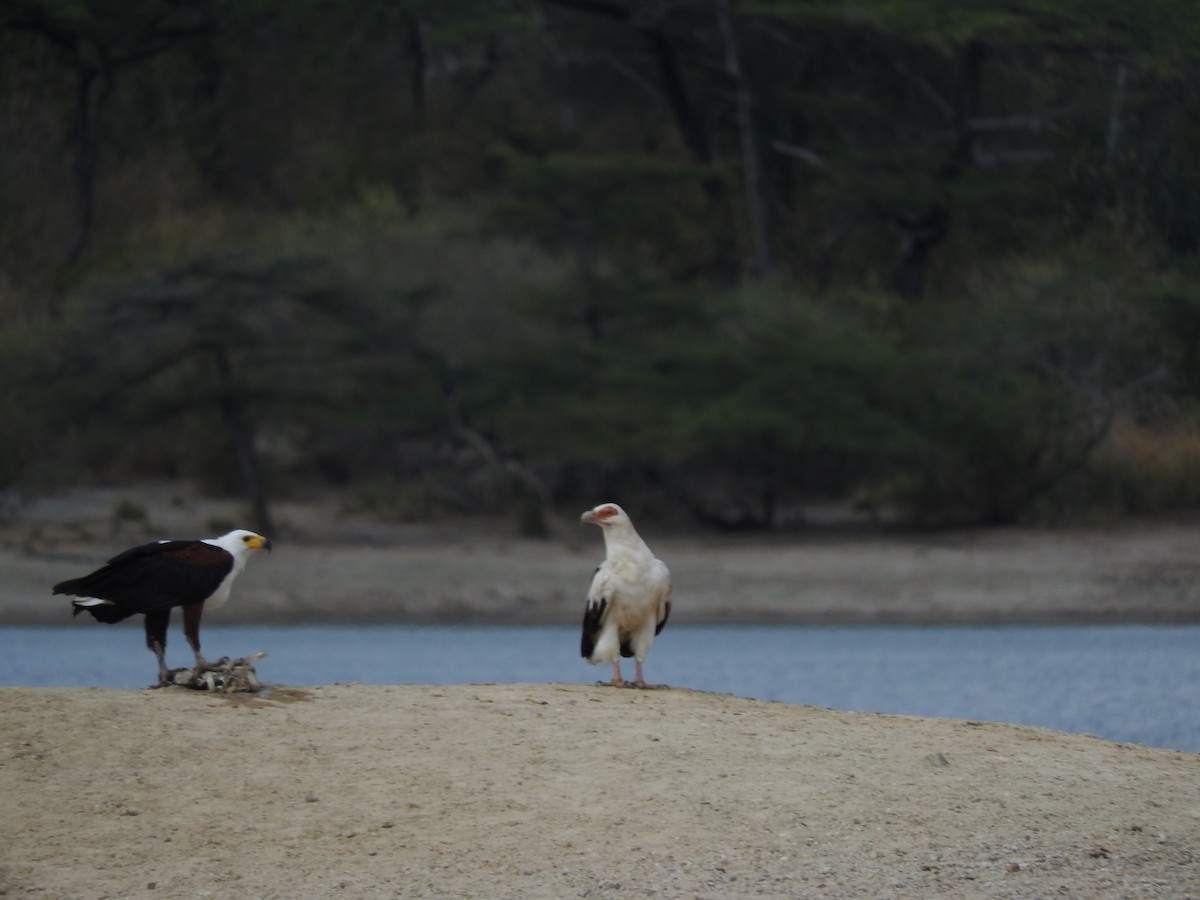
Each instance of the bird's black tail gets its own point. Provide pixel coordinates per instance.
(72, 587)
(104, 612)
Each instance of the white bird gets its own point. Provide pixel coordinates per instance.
(630, 597)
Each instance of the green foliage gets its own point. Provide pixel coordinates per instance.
(612, 211)
(1178, 311)
(21, 396)
(1163, 34)
(1144, 467)
(789, 374)
(442, 253)
(1013, 391)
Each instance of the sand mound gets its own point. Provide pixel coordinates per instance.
(570, 791)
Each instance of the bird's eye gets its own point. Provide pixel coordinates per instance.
(246, 539)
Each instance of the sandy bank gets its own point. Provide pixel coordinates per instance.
(354, 572)
(570, 791)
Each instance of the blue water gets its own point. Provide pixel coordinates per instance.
(1139, 684)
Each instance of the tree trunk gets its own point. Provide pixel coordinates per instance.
(243, 446)
(920, 235)
(760, 258)
(1113, 132)
(84, 164)
(924, 230)
(418, 48)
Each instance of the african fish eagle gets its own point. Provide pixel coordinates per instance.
(630, 597)
(154, 578)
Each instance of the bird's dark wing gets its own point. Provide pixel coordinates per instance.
(595, 612)
(593, 619)
(155, 576)
(666, 614)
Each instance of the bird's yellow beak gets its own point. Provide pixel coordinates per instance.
(258, 542)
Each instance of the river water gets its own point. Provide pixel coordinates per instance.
(1139, 684)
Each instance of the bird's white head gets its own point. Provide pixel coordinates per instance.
(240, 542)
(605, 515)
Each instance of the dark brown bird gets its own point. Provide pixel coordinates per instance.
(155, 578)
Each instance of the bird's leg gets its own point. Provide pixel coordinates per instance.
(156, 639)
(638, 678)
(164, 674)
(617, 680)
(191, 630)
(640, 681)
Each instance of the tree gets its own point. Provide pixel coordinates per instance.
(224, 336)
(96, 42)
